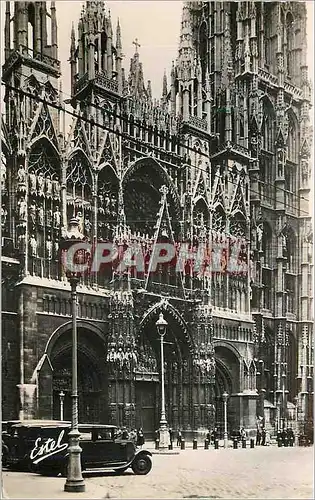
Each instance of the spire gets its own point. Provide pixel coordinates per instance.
(136, 80)
(118, 38)
(186, 50)
(164, 92)
(7, 33)
(149, 90)
(54, 41)
(72, 46)
(119, 57)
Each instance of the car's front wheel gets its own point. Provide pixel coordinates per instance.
(142, 465)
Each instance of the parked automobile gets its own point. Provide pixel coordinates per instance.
(43, 447)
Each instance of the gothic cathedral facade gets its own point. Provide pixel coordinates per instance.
(223, 156)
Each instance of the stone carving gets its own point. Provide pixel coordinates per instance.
(40, 184)
(57, 218)
(3, 178)
(4, 214)
(22, 210)
(32, 213)
(21, 176)
(33, 246)
(41, 215)
(56, 187)
(49, 187)
(260, 232)
(49, 248)
(32, 182)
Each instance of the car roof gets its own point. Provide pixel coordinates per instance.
(59, 423)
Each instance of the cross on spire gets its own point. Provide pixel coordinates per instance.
(137, 44)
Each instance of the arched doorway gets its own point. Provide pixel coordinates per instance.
(227, 379)
(91, 376)
(177, 363)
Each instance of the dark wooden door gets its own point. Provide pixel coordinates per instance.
(146, 408)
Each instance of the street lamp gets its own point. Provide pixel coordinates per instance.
(296, 410)
(75, 482)
(61, 398)
(161, 326)
(225, 398)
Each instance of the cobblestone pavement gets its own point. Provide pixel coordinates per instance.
(261, 473)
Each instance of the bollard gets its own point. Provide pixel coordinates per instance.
(244, 443)
(195, 444)
(279, 442)
(206, 444)
(157, 444)
(182, 444)
(252, 443)
(291, 442)
(216, 444)
(235, 444)
(286, 442)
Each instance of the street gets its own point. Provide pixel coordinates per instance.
(262, 473)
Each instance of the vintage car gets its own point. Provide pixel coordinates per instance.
(43, 448)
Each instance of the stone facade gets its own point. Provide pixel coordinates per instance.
(222, 157)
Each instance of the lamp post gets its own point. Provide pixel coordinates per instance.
(225, 398)
(296, 409)
(61, 398)
(161, 326)
(75, 482)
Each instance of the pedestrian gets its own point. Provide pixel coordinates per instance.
(140, 437)
(263, 437)
(243, 434)
(157, 435)
(125, 434)
(258, 437)
(171, 435)
(208, 436)
(179, 437)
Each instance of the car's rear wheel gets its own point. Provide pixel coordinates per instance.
(142, 465)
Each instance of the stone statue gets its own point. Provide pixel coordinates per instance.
(41, 215)
(56, 187)
(260, 232)
(32, 213)
(33, 246)
(32, 182)
(22, 209)
(49, 248)
(48, 187)
(57, 218)
(22, 243)
(4, 214)
(87, 226)
(40, 184)
(3, 178)
(21, 175)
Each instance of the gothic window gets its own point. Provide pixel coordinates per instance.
(79, 185)
(290, 292)
(290, 251)
(203, 37)
(268, 127)
(219, 220)
(267, 288)
(293, 139)
(267, 245)
(266, 179)
(290, 186)
(290, 44)
(238, 225)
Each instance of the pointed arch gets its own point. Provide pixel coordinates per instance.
(293, 137)
(43, 157)
(267, 244)
(268, 127)
(238, 224)
(219, 218)
(141, 183)
(80, 184)
(170, 312)
(200, 212)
